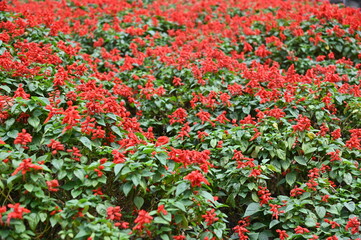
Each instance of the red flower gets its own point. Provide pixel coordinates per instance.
(303, 123)
(118, 156)
(177, 81)
(56, 210)
(162, 210)
(98, 43)
(264, 195)
(296, 191)
(23, 138)
(301, 230)
(274, 210)
(354, 224)
(2, 210)
(179, 237)
(262, 51)
(333, 223)
(143, 218)
(52, 185)
(114, 213)
(256, 134)
(21, 93)
(247, 47)
(282, 234)
(178, 116)
(57, 146)
(196, 178)
(204, 116)
(353, 142)
(122, 224)
(314, 237)
(184, 132)
(332, 238)
(76, 153)
(99, 170)
(71, 116)
(98, 191)
(26, 166)
(210, 217)
(255, 172)
(17, 212)
(335, 156)
(162, 140)
(241, 229)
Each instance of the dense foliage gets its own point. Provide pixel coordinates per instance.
(174, 119)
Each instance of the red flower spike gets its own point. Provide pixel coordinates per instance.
(26, 166)
(210, 217)
(52, 185)
(162, 210)
(142, 219)
(353, 224)
(301, 230)
(282, 234)
(17, 212)
(23, 138)
(196, 178)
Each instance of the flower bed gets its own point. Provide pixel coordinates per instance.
(179, 120)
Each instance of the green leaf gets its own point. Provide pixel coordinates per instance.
(251, 209)
(138, 201)
(79, 174)
(86, 142)
(311, 220)
(350, 206)
(33, 220)
(101, 209)
(6, 88)
(219, 233)
(43, 216)
(75, 192)
(181, 188)
(127, 187)
(162, 157)
(265, 235)
(273, 223)
(118, 168)
(167, 217)
(34, 121)
(180, 206)
(116, 130)
(291, 178)
(281, 154)
(57, 163)
(81, 234)
(321, 211)
(291, 141)
(20, 227)
(53, 221)
(12, 133)
(306, 147)
(160, 220)
(301, 160)
(135, 179)
(164, 237)
(253, 236)
(347, 178)
(9, 123)
(213, 143)
(29, 187)
(207, 196)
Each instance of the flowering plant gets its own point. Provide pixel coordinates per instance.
(202, 119)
